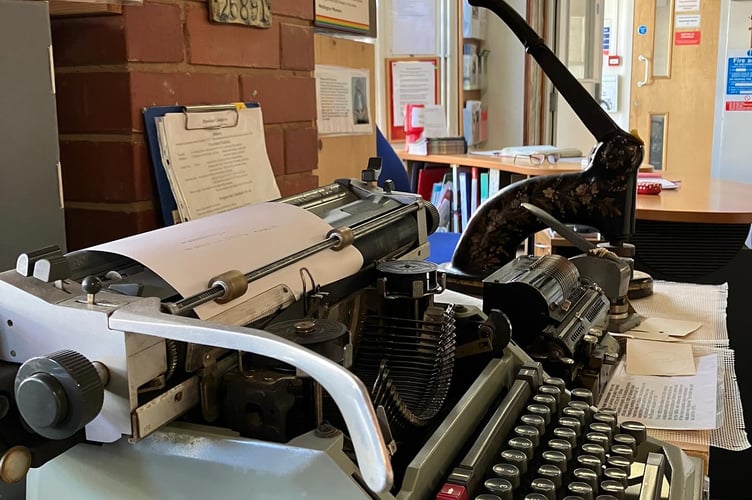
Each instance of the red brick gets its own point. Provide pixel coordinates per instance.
(301, 150)
(88, 40)
(86, 227)
(154, 32)
(275, 148)
(293, 8)
(116, 172)
(297, 183)
(283, 98)
(297, 47)
(230, 44)
(162, 89)
(93, 102)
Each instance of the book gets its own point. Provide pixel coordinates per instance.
(484, 187)
(474, 190)
(438, 146)
(427, 177)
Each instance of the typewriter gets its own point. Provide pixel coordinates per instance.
(341, 368)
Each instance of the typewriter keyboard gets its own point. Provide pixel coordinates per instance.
(544, 442)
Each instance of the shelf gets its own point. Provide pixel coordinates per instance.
(62, 8)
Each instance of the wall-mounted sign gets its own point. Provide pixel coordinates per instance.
(687, 5)
(248, 12)
(687, 38)
(739, 81)
(344, 15)
(684, 21)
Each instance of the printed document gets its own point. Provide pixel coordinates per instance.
(188, 255)
(680, 403)
(216, 161)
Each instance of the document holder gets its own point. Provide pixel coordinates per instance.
(167, 203)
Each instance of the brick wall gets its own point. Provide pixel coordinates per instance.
(108, 68)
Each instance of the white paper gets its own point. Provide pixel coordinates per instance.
(687, 5)
(687, 21)
(682, 403)
(413, 82)
(413, 27)
(342, 100)
(216, 161)
(188, 255)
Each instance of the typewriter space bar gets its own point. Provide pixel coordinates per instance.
(478, 461)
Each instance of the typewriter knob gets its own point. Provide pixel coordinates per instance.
(59, 393)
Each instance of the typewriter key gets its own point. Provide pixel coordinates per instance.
(524, 445)
(596, 450)
(603, 428)
(548, 400)
(614, 488)
(607, 418)
(544, 486)
(515, 457)
(509, 472)
(598, 438)
(528, 432)
(577, 413)
(636, 430)
(571, 423)
(551, 390)
(534, 420)
(582, 394)
(580, 489)
(615, 474)
(488, 496)
(566, 434)
(586, 476)
(627, 440)
(619, 462)
(500, 487)
(552, 473)
(555, 458)
(562, 446)
(541, 410)
(535, 496)
(589, 462)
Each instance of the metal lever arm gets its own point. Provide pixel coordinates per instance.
(348, 391)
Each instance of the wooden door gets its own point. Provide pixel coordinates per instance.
(674, 52)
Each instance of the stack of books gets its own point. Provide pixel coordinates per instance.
(438, 146)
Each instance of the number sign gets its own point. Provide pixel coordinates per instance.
(257, 13)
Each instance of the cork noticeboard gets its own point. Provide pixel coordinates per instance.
(346, 155)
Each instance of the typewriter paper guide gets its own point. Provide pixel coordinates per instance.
(188, 255)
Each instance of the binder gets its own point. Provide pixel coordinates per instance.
(166, 200)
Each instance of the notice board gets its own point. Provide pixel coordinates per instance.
(343, 156)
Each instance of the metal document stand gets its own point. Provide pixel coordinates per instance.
(31, 213)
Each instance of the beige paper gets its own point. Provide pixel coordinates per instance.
(188, 255)
(645, 357)
(666, 326)
(216, 161)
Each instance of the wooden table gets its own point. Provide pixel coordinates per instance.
(715, 201)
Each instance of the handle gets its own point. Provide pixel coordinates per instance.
(348, 391)
(644, 81)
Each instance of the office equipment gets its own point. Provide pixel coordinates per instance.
(367, 383)
(211, 158)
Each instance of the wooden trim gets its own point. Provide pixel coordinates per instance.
(62, 8)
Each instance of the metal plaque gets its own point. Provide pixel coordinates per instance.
(257, 13)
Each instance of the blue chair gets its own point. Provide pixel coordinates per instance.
(442, 244)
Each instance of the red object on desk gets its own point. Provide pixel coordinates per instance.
(648, 188)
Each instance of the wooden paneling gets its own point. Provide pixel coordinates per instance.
(346, 155)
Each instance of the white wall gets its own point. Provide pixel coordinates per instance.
(506, 82)
(732, 148)
(619, 14)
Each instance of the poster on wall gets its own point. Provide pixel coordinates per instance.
(410, 81)
(344, 15)
(413, 27)
(342, 100)
(738, 95)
